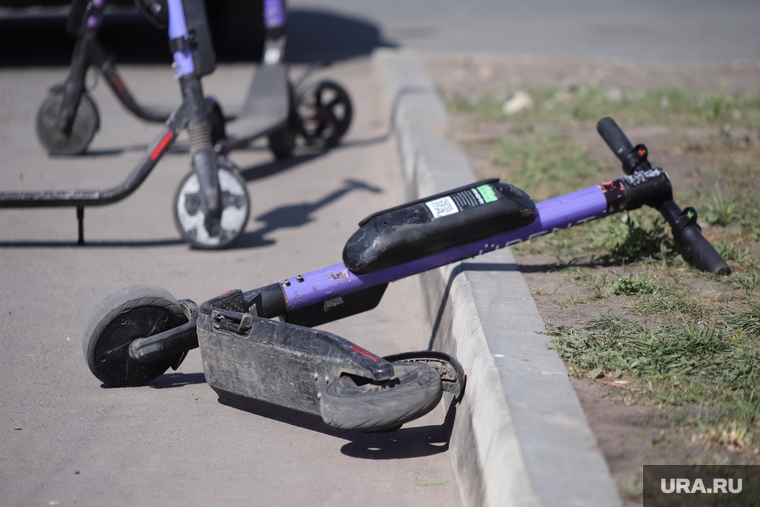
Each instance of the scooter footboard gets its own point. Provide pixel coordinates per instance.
(307, 373)
(280, 363)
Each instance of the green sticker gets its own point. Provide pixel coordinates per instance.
(487, 193)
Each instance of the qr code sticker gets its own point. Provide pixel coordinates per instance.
(442, 207)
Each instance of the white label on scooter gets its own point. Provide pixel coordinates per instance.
(442, 207)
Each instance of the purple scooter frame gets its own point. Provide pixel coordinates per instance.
(553, 215)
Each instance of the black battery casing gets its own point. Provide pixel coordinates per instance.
(433, 224)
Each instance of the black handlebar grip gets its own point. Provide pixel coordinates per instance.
(703, 254)
(688, 235)
(614, 137)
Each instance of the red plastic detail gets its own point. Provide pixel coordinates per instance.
(642, 152)
(366, 353)
(117, 83)
(161, 145)
(226, 292)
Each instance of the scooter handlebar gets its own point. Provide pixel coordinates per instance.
(686, 231)
(703, 254)
(689, 236)
(616, 139)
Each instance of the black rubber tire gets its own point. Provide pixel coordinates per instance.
(211, 234)
(282, 142)
(367, 407)
(325, 113)
(86, 123)
(131, 313)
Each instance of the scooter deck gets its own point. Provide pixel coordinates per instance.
(312, 375)
(266, 107)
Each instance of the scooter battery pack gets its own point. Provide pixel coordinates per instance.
(437, 223)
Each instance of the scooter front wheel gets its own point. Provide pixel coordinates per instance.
(357, 404)
(86, 123)
(123, 317)
(205, 232)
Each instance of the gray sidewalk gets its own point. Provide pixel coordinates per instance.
(520, 437)
(67, 440)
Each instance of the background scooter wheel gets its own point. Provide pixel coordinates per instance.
(356, 404)
(131, 313)
(202, 231)
(86, 123)
(325, 112)
(282, 142)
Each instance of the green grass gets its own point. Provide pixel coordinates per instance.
(547, 165)
(678, 337)
(672, 106)
(690, 363)
(746, 321)
(675, 346)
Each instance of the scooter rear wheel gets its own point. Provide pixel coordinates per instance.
(207, 233)
(282, 142)
(356, 404)
(325, 113)
(123, 317)
(86, 123)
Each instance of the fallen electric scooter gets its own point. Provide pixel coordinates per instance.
(136, 334)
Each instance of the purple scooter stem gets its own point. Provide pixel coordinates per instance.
(553, 214)
(183, 58)
(274, 14)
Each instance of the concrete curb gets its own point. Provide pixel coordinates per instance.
(519, 436)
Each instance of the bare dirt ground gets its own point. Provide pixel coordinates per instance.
(631, 432)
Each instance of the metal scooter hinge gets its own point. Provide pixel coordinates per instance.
(237, 322)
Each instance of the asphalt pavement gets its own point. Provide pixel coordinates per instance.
(650, 31)
(66, 439)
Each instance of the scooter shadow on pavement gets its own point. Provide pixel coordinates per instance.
(176, 379)
(267, 169)
(150, 243)
(403, 443)
(296, 215)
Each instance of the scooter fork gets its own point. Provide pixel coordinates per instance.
(199, 128)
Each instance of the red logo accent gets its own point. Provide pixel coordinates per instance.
(161, 145)
(366, 353)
